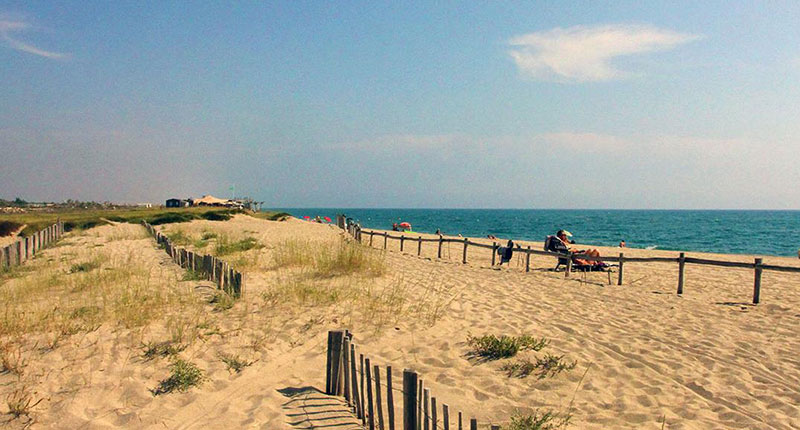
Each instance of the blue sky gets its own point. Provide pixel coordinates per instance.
(378, 104)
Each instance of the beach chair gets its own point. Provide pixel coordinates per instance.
(554, 244)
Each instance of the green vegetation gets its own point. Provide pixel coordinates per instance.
(8, 227)
(272, 216)
(549, 366)
(234, 363)
(491, 347)
(546, 420)
(222, 301)
(84, 267)
(78, 218)
(185, 375)
(329, 260)
(166, 348)
(226, 245)
(20, 402)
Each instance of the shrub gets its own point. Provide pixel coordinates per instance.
(549, 366)
(234, 363)
(185, 375)
(547, 420)
(491, 347)
(222, 301)
(161, 349)
(225, 246)
(216, 216)
(8, 227)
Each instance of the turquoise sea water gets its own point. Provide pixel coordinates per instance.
(721, 231)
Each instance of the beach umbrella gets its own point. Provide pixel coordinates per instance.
(405, 225)
(327, 219)
(307, 217)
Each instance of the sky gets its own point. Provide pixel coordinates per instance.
(628, 105)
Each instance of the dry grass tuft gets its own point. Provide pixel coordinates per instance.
(20, 402)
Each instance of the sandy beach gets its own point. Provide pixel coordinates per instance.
(644, 356)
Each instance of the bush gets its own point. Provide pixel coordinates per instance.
(216, 216)
(549, 366)
(8, 227)
(547, 420)
(491, 347)
(185, 375)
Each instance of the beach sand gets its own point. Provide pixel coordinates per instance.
(645, 357)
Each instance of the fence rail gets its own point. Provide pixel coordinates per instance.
(360, 382)
(212, 268)
(757, 265)
(23, 249)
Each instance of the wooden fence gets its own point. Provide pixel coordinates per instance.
(25, 248)
(359, 381)
(757, 265)
(210, 267)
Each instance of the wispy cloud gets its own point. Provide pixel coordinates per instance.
(9, 27)
(584, 54)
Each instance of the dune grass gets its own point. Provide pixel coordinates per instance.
(538, 420)
(330, 259)
(184, 375)
(491, 347)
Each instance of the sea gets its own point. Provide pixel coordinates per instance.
(760, 232)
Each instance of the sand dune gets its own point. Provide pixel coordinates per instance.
(645, 357)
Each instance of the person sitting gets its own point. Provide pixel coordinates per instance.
(394, 227)
(506, 252)
(563, 237)
(622, 243)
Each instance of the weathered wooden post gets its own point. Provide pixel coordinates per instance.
(494, 252)
(446, 416)
(528, 259)
(757, 282)
(410, 401)
(466, 242)
(473, 424)
(419, 246)
(681, 266)
(426, 412)
(621, 260)
(370, 406)
(390, 397)
(376, 373)
(371, 234)
(439, 253)
(385, 239)
(434, 416)
(334, 363)
(354, 382)
(363, 403)
(402, 240)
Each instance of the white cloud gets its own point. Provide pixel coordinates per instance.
(9, 27)
(584, 54)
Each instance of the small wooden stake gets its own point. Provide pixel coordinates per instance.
(757, 282)
(528, 259)
(370, 408)
(410, 400)
(390, 397)
(681, 266)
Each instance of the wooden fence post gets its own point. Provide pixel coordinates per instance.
(466, 242)
(528, 259)
(426, 412)
(473, 424)
(757, 282)
(494, 252)
(385, 239)
(419, 246)
(619, 278)
(681, 266)
(346, 367)
(363, 411)
(354, 381)
(434, 416)
(371, 233)
(420, 390)
(334, 364)
(402, 239)
(410, 401)
(370, 407)
(378, 404)
(446, 416)
(390, 397)
(439, 253)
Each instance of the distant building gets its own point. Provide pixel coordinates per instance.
(178, 203)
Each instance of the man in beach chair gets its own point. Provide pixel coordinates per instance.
(560, 244)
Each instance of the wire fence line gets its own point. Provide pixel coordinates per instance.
(354, 377)
(682, 260)
(26, 248)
